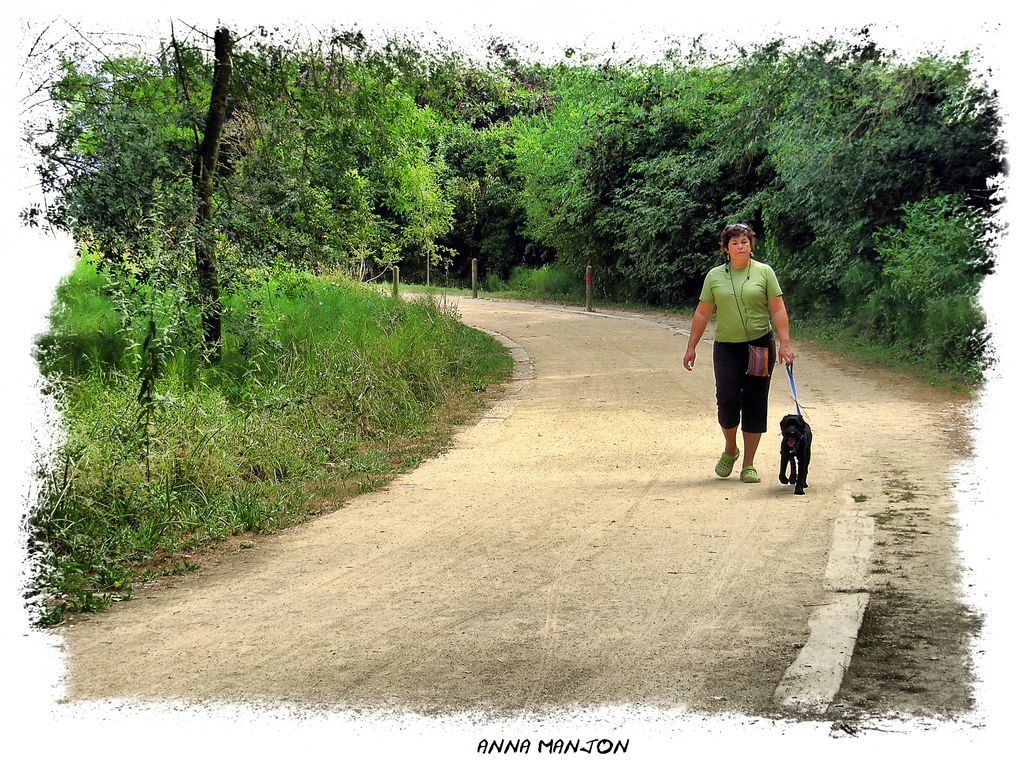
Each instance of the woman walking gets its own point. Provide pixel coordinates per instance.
(747, 299)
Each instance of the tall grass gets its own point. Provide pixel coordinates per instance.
(324, 389)
(551, 281)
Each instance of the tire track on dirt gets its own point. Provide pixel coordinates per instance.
(554, 595)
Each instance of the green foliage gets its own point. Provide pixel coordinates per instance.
(489, 215)
(559, 207)
(551, 281)
(117, 158)
(90, 337)
(637, 169)
(938, 251)
(933, 264)
(860, 136)
(340, 155)
(324, 387)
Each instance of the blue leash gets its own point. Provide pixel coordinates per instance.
(792, 383)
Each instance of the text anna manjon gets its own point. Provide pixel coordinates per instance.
(552, 746)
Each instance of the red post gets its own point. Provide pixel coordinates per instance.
(590, 288)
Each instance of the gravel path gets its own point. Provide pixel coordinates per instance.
(572, 547)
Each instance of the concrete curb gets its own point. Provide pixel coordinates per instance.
(813, 679)
(523, 374)
(524, 369)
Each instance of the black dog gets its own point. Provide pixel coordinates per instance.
(796, 451)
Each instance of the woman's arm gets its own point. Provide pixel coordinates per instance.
(701, 316)
(780, 319)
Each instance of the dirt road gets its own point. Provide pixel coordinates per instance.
(573, 547)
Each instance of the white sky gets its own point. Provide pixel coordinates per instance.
(112, 735)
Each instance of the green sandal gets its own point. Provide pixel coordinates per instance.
(749, 475)
(725, 464)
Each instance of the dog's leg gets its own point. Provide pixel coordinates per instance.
(782, 465)
(806, 463)
(801, 480)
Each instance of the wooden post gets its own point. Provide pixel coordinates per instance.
(394, 285)
(590, 288)
(474, 278)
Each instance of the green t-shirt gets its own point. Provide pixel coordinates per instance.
(733, 293)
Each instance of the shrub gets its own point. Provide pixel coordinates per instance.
(932, 268)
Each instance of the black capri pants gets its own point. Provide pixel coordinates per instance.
(737, 392)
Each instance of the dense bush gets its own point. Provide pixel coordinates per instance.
(837, 153)
(932, 267)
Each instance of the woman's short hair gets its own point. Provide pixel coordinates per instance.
(736, 230)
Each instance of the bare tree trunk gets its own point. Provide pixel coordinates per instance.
(203, 171)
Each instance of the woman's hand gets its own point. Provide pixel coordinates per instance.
(688, 358)
(786, 352)
(701, 316)
(780, 318)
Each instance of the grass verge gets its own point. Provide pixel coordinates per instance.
(837, 337)
(324, 389)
